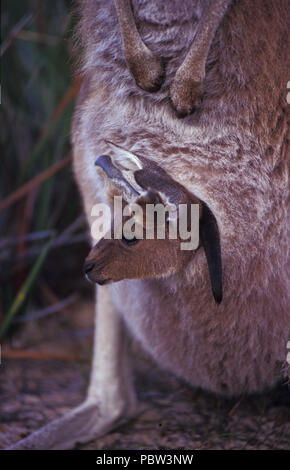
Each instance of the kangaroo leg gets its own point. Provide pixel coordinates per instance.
(187, 86)
(146, 68)
(110, 400)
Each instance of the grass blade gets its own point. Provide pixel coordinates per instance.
(36, 181)
(14, 33)
(22, 294)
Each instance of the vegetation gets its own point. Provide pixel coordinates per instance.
(42, 232)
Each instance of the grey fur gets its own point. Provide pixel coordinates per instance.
(233, 154)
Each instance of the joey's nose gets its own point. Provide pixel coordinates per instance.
(88, 266)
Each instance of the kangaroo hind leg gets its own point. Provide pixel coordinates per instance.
(146, 68)
(111, 398)
(186, 90)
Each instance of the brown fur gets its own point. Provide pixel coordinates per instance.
(114, 260)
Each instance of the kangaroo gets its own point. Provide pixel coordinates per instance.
(141, 262)
(217, 316)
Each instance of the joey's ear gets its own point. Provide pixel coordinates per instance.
(209, 234)
(115, 175)
(124, 159)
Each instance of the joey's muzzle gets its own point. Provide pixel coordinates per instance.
(94, 270)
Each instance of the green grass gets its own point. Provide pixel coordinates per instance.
(36, 76)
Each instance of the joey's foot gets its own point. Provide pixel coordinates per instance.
(186, 95)
(147, 69)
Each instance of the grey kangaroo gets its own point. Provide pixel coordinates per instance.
(217, 316)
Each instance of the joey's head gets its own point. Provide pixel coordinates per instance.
(160, 226)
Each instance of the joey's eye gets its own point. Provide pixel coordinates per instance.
(131, 242)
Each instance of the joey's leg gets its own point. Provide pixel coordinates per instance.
(111, 399)
(146, 68)
(187, 86)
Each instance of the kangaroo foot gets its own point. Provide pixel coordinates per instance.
(82, 424)
(186, 94)
(147, 69)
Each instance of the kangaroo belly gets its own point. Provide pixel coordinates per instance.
(241, 349)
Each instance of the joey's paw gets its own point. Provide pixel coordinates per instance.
(147, 69)
(186, 95)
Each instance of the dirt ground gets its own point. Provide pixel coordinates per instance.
(45, 369)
